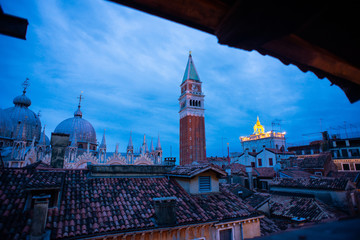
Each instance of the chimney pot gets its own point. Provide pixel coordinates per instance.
(39, 218)
(165, 210)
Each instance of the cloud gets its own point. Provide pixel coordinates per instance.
(129, 66)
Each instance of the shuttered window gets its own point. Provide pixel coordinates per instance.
(204, 184)
(226, 234)
(270, 162)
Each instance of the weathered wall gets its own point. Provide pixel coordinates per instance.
(59, 142)
(251, 229)
(184, 183)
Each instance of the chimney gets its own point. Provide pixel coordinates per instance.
(170, 161)
(59, 142)
(248, 170)
(165, 211)
(38, 223)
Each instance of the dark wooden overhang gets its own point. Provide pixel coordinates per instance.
(13, 26)
(317, 36)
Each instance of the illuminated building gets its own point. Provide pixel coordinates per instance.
(260, 139)
(263, 149)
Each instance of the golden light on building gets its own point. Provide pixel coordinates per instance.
(259, 133)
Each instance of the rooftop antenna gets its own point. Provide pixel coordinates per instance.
(320, 125)
(222, 145)
(276, 122)
(345, 129)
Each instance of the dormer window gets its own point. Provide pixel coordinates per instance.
(204, 184)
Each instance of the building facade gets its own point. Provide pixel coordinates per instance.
(346, 153)
(192, 119)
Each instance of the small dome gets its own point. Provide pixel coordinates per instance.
(83, 130)
(78, 113)
(6, 125)
(22, 100)
(20, 113)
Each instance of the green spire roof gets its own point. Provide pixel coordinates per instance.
(190, 71)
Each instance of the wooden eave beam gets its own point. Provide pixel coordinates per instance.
(307, 57)
(13, 26)
(204, 15)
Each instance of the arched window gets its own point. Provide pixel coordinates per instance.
(190, 102)
(199, 103)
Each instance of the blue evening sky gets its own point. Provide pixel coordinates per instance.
(130, 64)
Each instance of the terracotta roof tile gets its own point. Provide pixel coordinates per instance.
(278, 151)
(311, 161)
(191, 170)
(311, 183)
(300, 208)
(295, 173)
(266, 172)
(257, 199)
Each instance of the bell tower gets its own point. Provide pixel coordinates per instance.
(192, 121)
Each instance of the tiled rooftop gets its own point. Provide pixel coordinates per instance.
(268, 172)
(237, 168)
(268, 226)
(235, 188)
(311, 183)
(295, 173)
(257, 199)
(278, 151)
(101, 205)
(352, 176)
(301, 208)
(45, 179)
(193, 169)
(312, 161)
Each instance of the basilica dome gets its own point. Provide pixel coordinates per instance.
(83, 130)
(5, 125)
(20, 113)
